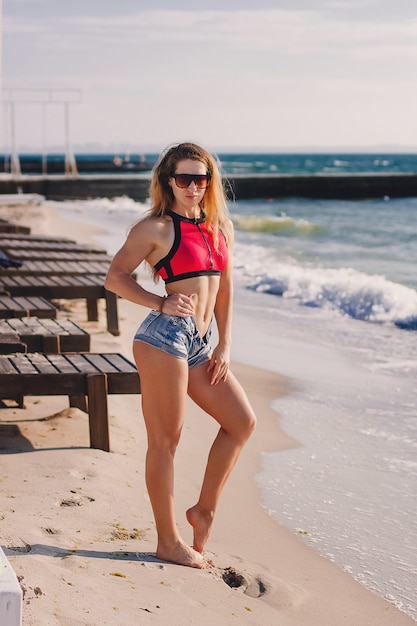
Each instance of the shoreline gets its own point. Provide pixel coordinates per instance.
(89, 549)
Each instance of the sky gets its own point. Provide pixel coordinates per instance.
(273, 75)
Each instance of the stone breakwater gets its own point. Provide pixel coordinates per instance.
(239, 187)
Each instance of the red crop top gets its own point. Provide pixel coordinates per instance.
(193, 252)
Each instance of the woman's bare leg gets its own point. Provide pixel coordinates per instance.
(228, 404)
(164, 381)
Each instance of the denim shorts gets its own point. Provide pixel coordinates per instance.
(178, 336)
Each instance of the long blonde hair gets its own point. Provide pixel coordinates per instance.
(214, 201)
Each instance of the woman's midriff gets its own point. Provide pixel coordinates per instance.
(203, 290)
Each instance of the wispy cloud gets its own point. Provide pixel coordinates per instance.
(291, 31)
(306, 68)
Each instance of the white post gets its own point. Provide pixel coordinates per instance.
(15, 164)
(10, 595)
(44, 157)
(70, 164)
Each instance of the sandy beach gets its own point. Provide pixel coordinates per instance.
(77, 527)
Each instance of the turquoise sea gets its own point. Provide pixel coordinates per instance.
(326, 293)
(232, 163)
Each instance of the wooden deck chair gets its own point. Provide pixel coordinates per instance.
(49, 336)
(68, 287)
(25, 307)
(86, 378)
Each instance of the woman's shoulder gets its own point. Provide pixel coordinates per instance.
(151, 223)
(152, 229)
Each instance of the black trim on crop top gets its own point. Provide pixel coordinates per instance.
(193, 252)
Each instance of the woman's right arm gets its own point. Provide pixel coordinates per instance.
(139, 244)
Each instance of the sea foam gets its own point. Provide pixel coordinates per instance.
(361, 296)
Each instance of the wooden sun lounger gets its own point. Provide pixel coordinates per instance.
(29, 237)
(40, 268)
(33, 242)
(55, 287)
(26, 307)
(85, 378)
(10, 343)
(9, 227)
(45, 246)
(43, 335)
(22, 254)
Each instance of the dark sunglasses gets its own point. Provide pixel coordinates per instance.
(183, 181)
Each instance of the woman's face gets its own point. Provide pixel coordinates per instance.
(189, 192)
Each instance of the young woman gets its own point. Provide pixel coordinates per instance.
(187, 240)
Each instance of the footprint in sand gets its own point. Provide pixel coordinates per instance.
(20, 546)
(75, 501)
(251, 586)
(50, 531)
(281, 594)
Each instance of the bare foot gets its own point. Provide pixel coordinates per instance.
(202, 527)
(182, 554)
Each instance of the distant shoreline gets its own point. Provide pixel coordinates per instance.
(238, 162)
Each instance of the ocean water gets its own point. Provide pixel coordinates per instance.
(239, 163)
(324, 163)
(326, 293)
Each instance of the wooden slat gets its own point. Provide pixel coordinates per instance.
(21, 306)
(29, 237)
(22, 365)
(111, 362)
(16, 282)
(70, 327)
(6, 303)
(63, 364)
(37, 375)
(8, 227)
(10, 342)
(20, 324)
(31, 242)
(82, 363)
(72, 363)
(102, 363)
(38, 268)
(24, 254)
(121, 363)
(47, 335)
(42, 364)
(6, 368)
